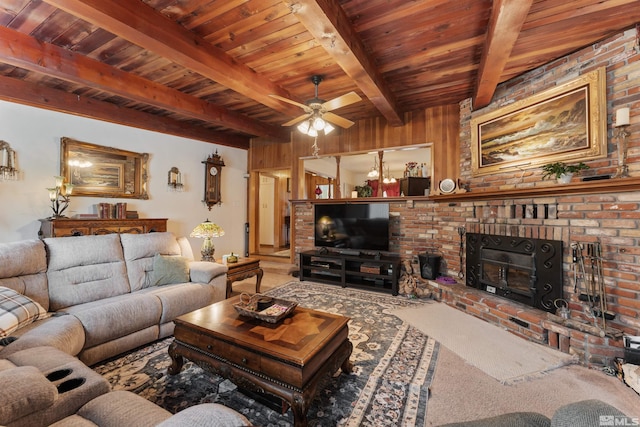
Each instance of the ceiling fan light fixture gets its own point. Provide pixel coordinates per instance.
(319, 123)
(312, 131)
(328, 129)
(304, 127)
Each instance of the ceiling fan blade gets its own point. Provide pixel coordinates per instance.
(290, 101)
(337, 120)
(341, 101)
(297, 120)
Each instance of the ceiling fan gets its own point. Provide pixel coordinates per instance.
(318, 111)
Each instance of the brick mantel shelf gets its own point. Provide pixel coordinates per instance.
(617, 185)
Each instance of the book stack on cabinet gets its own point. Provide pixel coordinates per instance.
(112, 210)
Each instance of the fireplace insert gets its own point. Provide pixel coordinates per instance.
(521, 269)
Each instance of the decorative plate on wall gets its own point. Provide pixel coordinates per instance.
(447, 186)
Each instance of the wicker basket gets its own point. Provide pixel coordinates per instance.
(273, 311)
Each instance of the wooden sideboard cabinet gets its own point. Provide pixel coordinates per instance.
(63, 227)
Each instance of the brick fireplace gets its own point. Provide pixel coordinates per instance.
(606, 215)
(425, 226)
(517, 268)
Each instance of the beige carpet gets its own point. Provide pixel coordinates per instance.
(461, 392)
(493, 350)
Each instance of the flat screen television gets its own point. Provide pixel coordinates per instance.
(352, 225)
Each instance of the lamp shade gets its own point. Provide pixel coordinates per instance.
(207, 229)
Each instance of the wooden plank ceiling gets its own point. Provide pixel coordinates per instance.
(205, 69)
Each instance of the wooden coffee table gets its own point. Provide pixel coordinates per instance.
(243, 269)
(291, 360)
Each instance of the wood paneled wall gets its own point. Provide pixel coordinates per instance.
(438, 125)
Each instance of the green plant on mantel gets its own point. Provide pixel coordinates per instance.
(364, 190)
(558, 169)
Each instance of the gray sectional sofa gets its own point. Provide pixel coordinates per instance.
(89, 298)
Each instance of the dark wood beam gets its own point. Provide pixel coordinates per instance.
(329, 24)
(507, 18)
(26, 52)
(141, 25)
(21, 92)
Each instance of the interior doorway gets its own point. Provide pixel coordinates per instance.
(273, 222)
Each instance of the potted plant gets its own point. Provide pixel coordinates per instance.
(364, 190)
(562, 171)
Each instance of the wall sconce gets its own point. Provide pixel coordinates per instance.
(174, 180)
(621, 133)
(8, 170)
(60, 196)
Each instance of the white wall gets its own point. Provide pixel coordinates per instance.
(267, 210)
(35, 136)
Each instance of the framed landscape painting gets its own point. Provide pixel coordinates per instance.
(95, 170)
(566, 123)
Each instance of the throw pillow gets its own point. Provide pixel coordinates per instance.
(168, 270)
(17, 310)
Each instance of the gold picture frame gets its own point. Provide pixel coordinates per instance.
(99, 171)
(565, 123)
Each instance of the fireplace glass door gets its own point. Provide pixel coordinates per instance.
(507, 271)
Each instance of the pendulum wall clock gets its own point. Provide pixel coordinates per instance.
(212, 180)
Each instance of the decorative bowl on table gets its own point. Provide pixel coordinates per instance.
(264, 308)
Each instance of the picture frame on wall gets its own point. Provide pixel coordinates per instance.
(99, 171)
(564, 123)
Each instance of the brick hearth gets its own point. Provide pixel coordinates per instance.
(532, 324)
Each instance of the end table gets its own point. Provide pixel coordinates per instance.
(244, 269)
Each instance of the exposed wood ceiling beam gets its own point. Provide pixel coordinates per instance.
(328, 23)
(507, 18)
(22, 92)
(26, 52)
(142, 25)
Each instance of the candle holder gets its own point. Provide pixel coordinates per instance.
(60, 196)
(8, 171)
(621, 134)
(174, 180)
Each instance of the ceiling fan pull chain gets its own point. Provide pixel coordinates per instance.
(316, 150)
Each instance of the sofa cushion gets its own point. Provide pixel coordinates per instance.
(139, 250)
(112, 318)
(23, 268)
(513, 419)
(588, 413)
(182, 298)
(17, 311)
(23, 390)
(204, 271)
(84, 269)
(169, 269)
(185, 248)
(132, 410)
(64, 333)
(207, 415)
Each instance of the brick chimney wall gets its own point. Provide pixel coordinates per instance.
(612, 219)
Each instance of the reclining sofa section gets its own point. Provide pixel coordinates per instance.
(106, 294)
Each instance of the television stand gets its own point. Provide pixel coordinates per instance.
(372, 272)
(351, 252)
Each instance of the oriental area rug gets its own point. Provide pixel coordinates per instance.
(389, 386)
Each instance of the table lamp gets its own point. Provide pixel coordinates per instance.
(207, 230)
